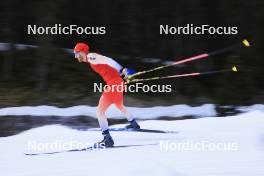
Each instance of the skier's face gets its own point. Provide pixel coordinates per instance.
(80, 56)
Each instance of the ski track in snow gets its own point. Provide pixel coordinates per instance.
(245, 130)
(140, 113)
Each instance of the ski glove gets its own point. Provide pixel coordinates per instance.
(125, 72)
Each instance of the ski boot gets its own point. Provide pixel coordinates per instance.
(106, 142)
(133, 125)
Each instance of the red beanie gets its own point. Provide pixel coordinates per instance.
(81, 47)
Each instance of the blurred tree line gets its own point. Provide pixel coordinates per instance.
(49, 75)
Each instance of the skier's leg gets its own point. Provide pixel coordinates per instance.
(119, 103)
(124, 110)
(104, 103)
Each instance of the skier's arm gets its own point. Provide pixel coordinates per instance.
(114, 64)
(100, 59)
(124, 72)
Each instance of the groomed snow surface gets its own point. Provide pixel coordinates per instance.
(232, 146)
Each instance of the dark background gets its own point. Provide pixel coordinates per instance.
(49, 75)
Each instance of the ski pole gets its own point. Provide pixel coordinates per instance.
(234, 69)
(245, 43)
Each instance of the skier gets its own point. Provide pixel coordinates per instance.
(111, 72)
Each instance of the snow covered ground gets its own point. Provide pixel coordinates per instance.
(205, 110)
(112, 112)
(231, 145)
